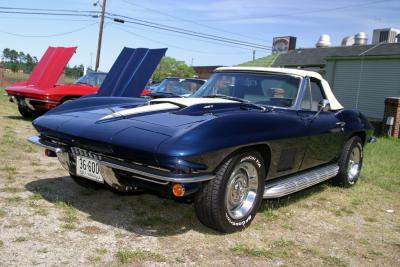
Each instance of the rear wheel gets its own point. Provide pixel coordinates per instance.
(229, 202)
(350, 162)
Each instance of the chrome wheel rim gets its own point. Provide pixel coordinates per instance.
(354, 166)
(241, 192)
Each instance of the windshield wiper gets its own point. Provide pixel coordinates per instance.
(228, 97)
(244, 101)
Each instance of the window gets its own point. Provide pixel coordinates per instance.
(313, 95)
(279, 90)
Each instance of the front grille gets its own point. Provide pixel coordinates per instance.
(85, 153)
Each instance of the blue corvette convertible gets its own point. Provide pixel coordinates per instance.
(245, 135)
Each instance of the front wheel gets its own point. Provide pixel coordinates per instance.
(26, 112)
(230, 201)
(350, 162)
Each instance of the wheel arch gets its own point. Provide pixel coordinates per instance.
(360, 134)
(263, 149)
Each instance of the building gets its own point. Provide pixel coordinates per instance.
(365, 80)
(361, 76)
(204, 72)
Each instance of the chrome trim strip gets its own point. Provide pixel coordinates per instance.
(42, 100)
(300, 181)
(160, 179)
(194, 179)
(39, 142)
(28, 102)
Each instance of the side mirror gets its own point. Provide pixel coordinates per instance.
(324, 105)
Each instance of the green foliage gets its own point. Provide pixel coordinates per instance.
(75, 71)
(19, 61)
(169, 66)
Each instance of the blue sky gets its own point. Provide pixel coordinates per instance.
(255, 21)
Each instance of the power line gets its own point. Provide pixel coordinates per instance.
(178, 47)
(50, 10)
(192, 21)
(147, 24)
(191, 33)
(315, 10)
(49, 35)
(185, 31)
(47, 14)
(195, 39)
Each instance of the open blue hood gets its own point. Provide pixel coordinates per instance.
(131, 71)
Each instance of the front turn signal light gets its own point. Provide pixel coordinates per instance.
(178, 190)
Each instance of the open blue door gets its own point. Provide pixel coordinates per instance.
(131, 71)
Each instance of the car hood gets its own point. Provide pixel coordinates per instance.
(131, 126)
(50, 67)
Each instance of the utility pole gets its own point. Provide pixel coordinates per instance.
(254, 54)
(103, 11)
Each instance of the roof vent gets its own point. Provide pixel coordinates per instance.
(324, 41)
(360, 38)
(348, 40)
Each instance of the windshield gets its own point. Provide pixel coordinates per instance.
(92, 78)
(179, 86)
(278, 90)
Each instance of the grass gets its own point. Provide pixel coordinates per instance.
(277, 249)
(12, 189)
(332, 260)
(21, 239)
(128, 256)
(13, 200)
(381, 164)
(70, 214)
(3, 213)
(101, 251)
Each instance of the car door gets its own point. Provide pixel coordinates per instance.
(323, 128)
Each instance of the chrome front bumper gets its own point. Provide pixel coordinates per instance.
(26, 101)
(138, 171)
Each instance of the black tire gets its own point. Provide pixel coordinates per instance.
(211, 202)
(348, 171)
(28, 113)
(86, 183)
(25, 112)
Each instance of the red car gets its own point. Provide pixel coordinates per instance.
(41, 92)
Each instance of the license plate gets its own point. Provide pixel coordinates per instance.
(88, 168)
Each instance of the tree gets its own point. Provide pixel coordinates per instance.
(169, 66)
(75, 71)
(6, 54)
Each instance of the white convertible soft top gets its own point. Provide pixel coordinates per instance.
(334, 103)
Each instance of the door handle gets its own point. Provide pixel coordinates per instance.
(340, 124)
